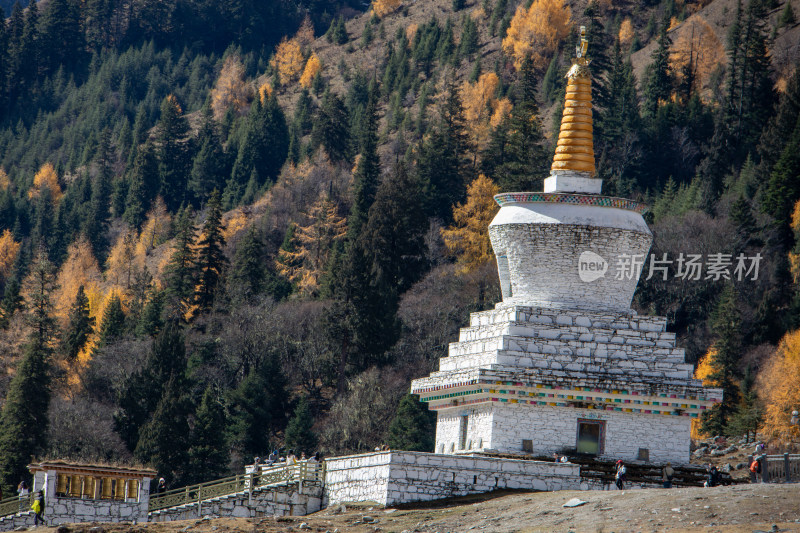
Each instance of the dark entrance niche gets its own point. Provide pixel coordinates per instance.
(591, 436)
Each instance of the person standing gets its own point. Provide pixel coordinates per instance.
(666, 475)
(22, 490)
(619, 477)
(38, 509)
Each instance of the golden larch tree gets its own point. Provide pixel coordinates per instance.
(5, 182)
(705, 367)
(264, 92)
(9, 248)
(123, 260)
(479, 100)
(468, 238)
(231, 91)
(288, 60)
(381, 8)
(305, 264)
(696, 51)
(80, 268)
(155, 229)
(779, 387)
(536, 32)
(46, 178)
(626, 32)
(305, 35)
(313, 66)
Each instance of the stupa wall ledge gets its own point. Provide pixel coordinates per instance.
(586, 318)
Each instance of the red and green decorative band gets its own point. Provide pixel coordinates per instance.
(508, 198)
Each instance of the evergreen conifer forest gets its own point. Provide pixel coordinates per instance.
(231, 227)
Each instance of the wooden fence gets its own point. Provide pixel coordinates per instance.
(303, 471)
(15, 504)
(781, 468)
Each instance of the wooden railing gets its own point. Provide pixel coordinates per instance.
(15, 504)
(266, 475)
(781, 468)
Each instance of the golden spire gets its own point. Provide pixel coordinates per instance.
(575, 149)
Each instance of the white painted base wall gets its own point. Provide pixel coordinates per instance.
(502, 427)
(396, 477)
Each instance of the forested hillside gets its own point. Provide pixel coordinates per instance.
(228, 227)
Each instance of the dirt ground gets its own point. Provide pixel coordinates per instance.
(737, 508)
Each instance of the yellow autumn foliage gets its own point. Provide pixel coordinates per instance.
(5, 183)
(626, 32)
(231, 91)
(264, 92)
(703, 372)
(288, 60)
(480, 106)
(312, 245)
(80, 268)
(46, 178)
(536, 32)
(381, 8)
(8, 253)
(155, 230)
(468, 238)
(123, 260)
(779, 387)
(411, 31)
(695, 46)
(313, 66)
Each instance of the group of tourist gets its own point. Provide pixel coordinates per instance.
(37, 506)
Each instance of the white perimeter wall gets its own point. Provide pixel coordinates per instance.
(503, 426)
(395, 477)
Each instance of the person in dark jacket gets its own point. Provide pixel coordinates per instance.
(713, 478)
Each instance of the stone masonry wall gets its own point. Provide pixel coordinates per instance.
(71, 510)
(552, 429)
(392, 478)
(542, 263)
(12, 522)
(282, 500)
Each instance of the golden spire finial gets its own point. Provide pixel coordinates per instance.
(575, 149)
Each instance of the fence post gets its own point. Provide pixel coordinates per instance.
(786, 467)
(764, 468)
(200, 501)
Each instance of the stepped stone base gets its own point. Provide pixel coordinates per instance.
(524, 379)
(397, 477)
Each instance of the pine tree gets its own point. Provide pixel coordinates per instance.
(61, 34)
(210, 259)
(174, 161)
(248, 273)
(80, 326)
(257, 409)
(783, 189)
(209, 165)
(23, 421)
(658, 87)
(394, 234)
(112, 326)
(413, 427)
(367, 174)
(141, 393)
(299, 435)
(208, 450)
(443, 167)
(726, 324)
(330, 127)
(164, 440)
(143, 186)
(525, 161)
(151, 320)
(179, 272)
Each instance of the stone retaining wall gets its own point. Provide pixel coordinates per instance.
(71, 510)
(396, 477)
(12, 522)
(277, 500)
